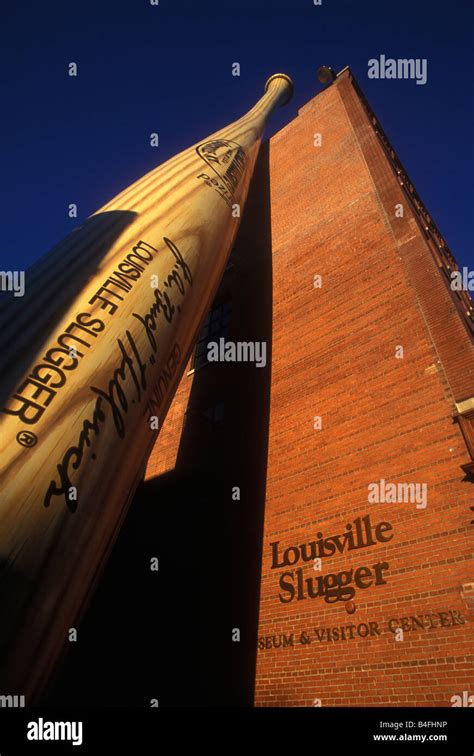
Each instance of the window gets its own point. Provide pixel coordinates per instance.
(214, 415)
(216, 326)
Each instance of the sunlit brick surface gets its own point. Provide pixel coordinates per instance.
(333, 355)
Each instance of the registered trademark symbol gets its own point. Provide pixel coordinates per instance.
(26, 438)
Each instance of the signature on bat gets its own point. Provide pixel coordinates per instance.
(113, 399)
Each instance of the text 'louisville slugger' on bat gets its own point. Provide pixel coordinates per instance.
(92, 357)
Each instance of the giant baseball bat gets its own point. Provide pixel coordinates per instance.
(93, 354)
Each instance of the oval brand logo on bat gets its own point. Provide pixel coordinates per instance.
(26, 438)
(227, 160)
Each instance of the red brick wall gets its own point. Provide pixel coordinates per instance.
(333, 210)
(163, 456)
(333, 355)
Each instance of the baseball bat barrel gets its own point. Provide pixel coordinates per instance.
(93, 354)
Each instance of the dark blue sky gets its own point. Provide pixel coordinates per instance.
(167, 69)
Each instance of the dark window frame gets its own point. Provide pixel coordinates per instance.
(215, 326)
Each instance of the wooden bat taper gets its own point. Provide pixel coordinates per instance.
(93, 354)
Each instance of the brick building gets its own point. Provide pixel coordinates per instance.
(370, 378)
(369, 384)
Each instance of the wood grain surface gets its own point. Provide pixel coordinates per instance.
(92, 355)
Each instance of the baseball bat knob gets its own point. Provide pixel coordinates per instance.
(289, 86)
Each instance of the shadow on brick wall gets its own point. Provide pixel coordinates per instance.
(167, 635)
